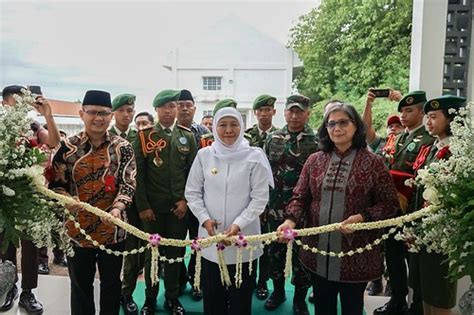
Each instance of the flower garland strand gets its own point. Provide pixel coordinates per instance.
(197, 269)
(225, 278)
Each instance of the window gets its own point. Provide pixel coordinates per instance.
(207, 113)
(211, 83)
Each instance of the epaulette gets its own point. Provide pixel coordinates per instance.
(184, 128)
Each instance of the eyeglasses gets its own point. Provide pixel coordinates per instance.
(343, 123)
(95, 113)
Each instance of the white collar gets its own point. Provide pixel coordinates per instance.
(120, 132)
(170, 127)
(442, 143)
(410, 132)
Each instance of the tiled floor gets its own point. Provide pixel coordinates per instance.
(53, 292)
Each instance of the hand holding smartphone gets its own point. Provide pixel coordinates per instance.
(380, 92)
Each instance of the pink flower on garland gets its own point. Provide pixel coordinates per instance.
(241, 241)
(195, 245)
(289, 234)
(154, 239)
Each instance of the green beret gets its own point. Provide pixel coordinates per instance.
(300, 101)
(444, 102)
(166, 96)
(224, 103)
(264, 100)
(123, 99)
(412, 98)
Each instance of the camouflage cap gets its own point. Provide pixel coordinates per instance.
(302, 102)
(123, 99)
(166, 96)
(412, 98)
(264, 100)
(224, 103)
(444, 102)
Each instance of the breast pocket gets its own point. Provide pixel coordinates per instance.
(183, 151)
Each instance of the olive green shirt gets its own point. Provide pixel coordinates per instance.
(163, 164)
(407, 146)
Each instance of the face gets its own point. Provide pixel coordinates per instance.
(265, 115)
(411, 116)
(96, 118)
(142, 122)
(394, 129)
(296, 118)
(228, 130)
(207, 122)
(186, 110)
(124, 115)
(9, 101)
(341, 129)
(437, 124)
(167, 114)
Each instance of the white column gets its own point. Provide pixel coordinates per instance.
(428, 41)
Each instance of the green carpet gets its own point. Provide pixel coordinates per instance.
(195, 308)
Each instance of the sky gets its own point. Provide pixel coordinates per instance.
(68, 47)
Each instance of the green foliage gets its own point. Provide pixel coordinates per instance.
(348, 46)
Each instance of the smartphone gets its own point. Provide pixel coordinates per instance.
(35, 89)
(380, 92)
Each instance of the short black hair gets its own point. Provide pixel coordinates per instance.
(12, 89)
(358, 141)
(147, 114)
(206, 116)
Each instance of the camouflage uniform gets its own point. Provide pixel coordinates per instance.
(287, 153)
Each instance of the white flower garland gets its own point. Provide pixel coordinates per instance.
(36, 177)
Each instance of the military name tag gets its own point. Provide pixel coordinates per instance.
(411, 146)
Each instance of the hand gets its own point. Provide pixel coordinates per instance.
(180, 209)
(116, 213)
(395, 95)
(147, 215)
(370, 98)
(232, 230)
(43, 106)
(288, 224)
(74, 207)
(210, 226)
(350, 220)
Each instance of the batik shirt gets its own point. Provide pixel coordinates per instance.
(100, 176)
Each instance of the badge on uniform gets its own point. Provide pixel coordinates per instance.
(411, 146)
(183, 140)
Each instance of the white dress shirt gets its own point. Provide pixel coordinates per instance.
(231, 193)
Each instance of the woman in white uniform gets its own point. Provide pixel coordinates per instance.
(227, 190)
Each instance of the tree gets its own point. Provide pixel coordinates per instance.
(348, 46)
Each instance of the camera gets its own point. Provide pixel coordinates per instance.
(380, 92)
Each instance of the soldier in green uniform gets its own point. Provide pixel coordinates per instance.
(405, 150)
(287, 150)
(208, 139)
(123, 107)
(429, 270)
(164, 155)
(264, 110)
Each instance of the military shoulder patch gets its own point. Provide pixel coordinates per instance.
(184, 128)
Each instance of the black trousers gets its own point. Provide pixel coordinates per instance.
(193, 227)
(326, 292)
(219, 300)
(396, 255)
(82, 268)
(29, 262)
